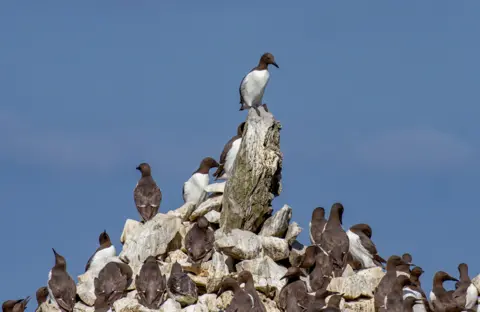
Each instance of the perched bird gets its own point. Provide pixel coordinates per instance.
(466, 294)
(333, 304)
(317, 224)
(106, 250)
(247, 278)
(319, 302)
(334, 237)
(194, 188)
(147, 194)
(408, 304)
(15, 305)
(387, 281)
(241, 301)
(110, 285)
(199, 241)
(308, 261)
(253, 84)
(405, 268)
(229, 153)
(61, 287)
(42, 295)
(180, 285)
(150, 284)
(394, 299)
(440, 298)
(415, 290)
(362, 248)
(322, 272)
(294, 295)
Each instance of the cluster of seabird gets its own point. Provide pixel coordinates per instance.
(113, 278)
(399, 290)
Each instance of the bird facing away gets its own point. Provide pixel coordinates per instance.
(110, 286)
(334, 237)
(194, 189)
(361, 246)
(106, 250)
(319, 302)
(322, 272)
(15, 305)
(415, 290)
(229, 154)
(394, 299)
(147, 194)
(466, 294)
(294, 295)
(253, 84)
(42, 295)
(440, 298)
(180, 285)
(151, 284)
(317, 224)
(199, 241)
(333, 304)
(241, 301)
(405, 268)
(61, 287)
(247, 278)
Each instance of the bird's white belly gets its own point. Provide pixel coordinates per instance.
(101, 256)
(231, 156)
(359, 252)
(471, 298)
(195, 187)
(255, 84)
(50, 294)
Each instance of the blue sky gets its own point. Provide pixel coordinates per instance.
(378, 102)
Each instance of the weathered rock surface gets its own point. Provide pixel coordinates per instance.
(360, 284)
(151, 240)
(215, 187)
(292, 232)
(213, 216)
(238, 244)
(362, 305)
(256, 176)
(213, 203)
(476, 282)
(217, 271)
(274, 247)
(277, 224)
(131, 226)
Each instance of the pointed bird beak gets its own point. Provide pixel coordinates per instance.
(138, 168)
(54, 251)
(275, 64)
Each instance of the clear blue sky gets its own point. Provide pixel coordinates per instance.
(379, 105)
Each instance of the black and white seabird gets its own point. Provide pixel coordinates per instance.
(361, 246)
(333, 304)
(394, 299)
(317, 224)
(415, 290)
(61, 287)
(294, 295)
(110, 285)
(466, 294)
(151, 284)
(408, 304)
(253, 84)
(194, 189)
(405, 268)
(387, 281)
(147, 194)
(241, 301)
(18, 305)
(229, 153)
(245, 277)
(319, 302)
(179, 284)
(334, 240)
(199, 241)
(441, 299)
(106, 250)
(42, 295)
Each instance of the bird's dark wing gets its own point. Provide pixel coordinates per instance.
(367, 243)
(64, 292)
(223, 157)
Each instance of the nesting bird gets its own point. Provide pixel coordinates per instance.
(229, 153)
(199, 241)
(105, 251)
(245, 277)
(362, 248)
(15, 305)
(147, 194)
(317, 225)
(253, 84)
(194, 189)
(241, 301)
(61, 287)
(181, 287)
(111, 285)
(150, 284)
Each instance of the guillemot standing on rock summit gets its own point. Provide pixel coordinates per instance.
(61, 287)
(466, 294)
(317, 225)
(229, 153)
(361, 246)
(194, 189)
(151, 284)
(253, 84)
(147, 194)
(15, 305)
(105, 250)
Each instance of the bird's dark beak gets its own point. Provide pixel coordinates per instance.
(451, 278)
(138, 168)
(54, 251)
(275, 64)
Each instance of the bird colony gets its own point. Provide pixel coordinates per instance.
(225, 249)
